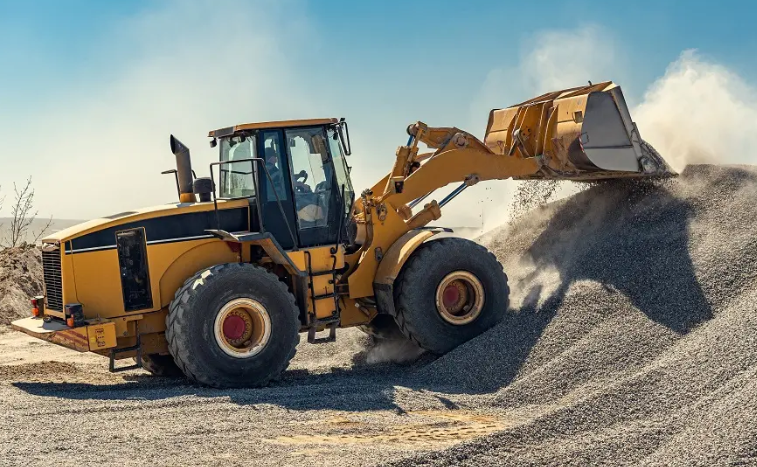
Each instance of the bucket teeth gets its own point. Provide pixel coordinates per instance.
(652, 162)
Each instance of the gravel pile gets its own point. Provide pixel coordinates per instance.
(20, 279)
(632, 336)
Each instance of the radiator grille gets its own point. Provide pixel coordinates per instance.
(53, 285)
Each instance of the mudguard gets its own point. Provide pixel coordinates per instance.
(391, 265)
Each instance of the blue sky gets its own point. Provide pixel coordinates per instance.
(89, 90)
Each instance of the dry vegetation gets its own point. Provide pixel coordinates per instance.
(20, 279)
(20, 261)
(23, 217)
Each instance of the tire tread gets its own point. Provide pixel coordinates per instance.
(415, 267)
(178, 310)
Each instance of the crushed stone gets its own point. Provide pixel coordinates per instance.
(632, 337)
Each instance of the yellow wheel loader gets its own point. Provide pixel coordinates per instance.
(219, 285)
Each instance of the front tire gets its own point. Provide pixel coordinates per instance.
(450, 291)
(233, 325)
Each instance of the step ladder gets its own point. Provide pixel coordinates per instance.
(330, 323)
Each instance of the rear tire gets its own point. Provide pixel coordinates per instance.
(450, 291)
(233, 325)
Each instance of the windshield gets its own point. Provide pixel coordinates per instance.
(237, 177)
(312, 176)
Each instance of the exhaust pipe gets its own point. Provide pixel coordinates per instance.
(183, 170)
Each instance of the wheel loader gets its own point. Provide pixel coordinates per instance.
(275, 243)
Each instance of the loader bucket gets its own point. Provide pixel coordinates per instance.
(580, 134)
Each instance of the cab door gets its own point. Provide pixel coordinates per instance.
(278, 219)
(316, 196)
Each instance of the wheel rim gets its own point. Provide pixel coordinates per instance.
(242, 328)
(459, 297)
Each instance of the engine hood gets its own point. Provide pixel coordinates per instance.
(161, 222)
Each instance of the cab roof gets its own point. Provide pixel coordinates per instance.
(221, 132)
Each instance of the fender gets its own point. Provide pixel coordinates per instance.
(391, 265)
(187, 263)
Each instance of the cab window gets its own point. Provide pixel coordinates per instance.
(311, 175)
(237, 177)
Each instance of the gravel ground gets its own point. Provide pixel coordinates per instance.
(59, 407)
(631, 340)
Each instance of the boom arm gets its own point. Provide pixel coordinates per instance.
(580, 134)
(459, 157)
(382, 213)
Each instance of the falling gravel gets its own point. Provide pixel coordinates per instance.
(631, 339)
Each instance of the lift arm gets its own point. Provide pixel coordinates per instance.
(383, 213)
(581, 134)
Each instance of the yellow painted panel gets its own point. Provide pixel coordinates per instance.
(98, 283)
(398, 254)
(279, 124)
(173, 263)
(139, 215)
(320, 258)
(351, 314)
(325, 308)
(101, 336)
(321, 285)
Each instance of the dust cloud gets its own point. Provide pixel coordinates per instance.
(549, 60)
(699, 112)
(392, 351)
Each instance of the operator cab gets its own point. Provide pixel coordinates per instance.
(295, 175)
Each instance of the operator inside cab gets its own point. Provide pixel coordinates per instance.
(308, 208)
(311, 175)
(273, 165)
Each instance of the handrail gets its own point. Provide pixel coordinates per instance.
(341, 223)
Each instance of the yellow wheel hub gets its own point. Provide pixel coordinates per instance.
(242, 328)
(459, 297)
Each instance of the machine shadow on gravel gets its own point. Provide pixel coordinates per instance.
(359, 389)
(632, 237)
